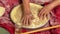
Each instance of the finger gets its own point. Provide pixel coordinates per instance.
(41, 17)
(22, 20)
(41, 12)
(52, 14)
(48, 16)
(26, 22)
(44, 15)
(29, 21)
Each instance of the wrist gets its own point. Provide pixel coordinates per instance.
(27, 12)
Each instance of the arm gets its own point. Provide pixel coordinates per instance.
(47, 9)
(54, 3)
(26, 6)
(27, 16)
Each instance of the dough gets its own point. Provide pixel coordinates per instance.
(2, 11)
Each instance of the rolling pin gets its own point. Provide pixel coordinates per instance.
(43, 29)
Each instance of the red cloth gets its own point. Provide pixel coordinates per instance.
(57, 12)
(9, 4)
(57, 20)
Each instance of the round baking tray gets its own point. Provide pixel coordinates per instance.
(16, 14)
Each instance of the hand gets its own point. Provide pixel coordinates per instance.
(45, 12)
(47, 9)
(26, 18)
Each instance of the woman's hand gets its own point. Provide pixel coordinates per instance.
(46, 10)
(26, 18)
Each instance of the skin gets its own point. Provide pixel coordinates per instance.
(27, 16)
(47, 9)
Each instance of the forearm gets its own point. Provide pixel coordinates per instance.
(26, 6)
(54, 4)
